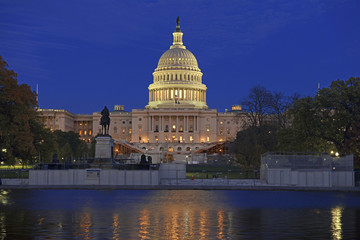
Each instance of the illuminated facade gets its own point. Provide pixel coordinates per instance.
(176, 119)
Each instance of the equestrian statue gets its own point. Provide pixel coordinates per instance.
(105, 121)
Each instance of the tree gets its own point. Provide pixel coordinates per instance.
(252, 142)
(327, 121)
(77, 146)
(257, 105)
(279, 107)
(18, 121)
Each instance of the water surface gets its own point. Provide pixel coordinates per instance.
(178, 214)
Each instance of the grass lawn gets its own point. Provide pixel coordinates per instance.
(220, 171)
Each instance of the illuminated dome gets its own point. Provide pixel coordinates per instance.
(177, 78)
(177, 58)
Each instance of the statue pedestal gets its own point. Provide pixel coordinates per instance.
(104, 147)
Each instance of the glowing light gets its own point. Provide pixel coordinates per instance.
(221, 224)
(144, 222)
(336, 225)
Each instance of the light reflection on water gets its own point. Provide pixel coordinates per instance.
(181, 214)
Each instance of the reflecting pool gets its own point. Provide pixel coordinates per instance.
(178, 214)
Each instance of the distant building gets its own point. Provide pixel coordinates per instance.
(176, 119)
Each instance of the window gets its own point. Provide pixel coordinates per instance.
(157, 128)
(171, 149)
(80, 132)
(123, 122)
(191, 138)
(115, 129)
(228, 130)
(156, 138)
(139, 119)
(173, 128)
(208, 139)
(139, 138)
(85, 132)
(130, 131)
(166, 128)
(179, 149)
(188, 149)
(89, 132)
(139, 128)
(123, 130)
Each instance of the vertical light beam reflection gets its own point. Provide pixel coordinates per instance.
(336, 225)
(85, 225)
(116, 227)
(221, 224)
(2, 226)
(203, 224)
(144, 222)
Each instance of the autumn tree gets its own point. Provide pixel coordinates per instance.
(17, 117)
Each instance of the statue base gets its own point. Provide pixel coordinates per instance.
(104, 147)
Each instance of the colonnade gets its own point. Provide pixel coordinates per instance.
(166, 123)
(171, 77)
(178, 93)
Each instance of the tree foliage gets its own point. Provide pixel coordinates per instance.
(69, 145)
(18, 122)
(327, 121)
(252, 142)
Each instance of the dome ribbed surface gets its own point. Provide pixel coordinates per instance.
(178, 58)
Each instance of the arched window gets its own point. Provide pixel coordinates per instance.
(188, 149)
(179, 149)
(171, 149)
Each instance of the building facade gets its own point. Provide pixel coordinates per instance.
(176, 118)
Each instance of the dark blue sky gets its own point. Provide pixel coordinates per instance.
(87, 54)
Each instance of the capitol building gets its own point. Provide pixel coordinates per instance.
(176, 120)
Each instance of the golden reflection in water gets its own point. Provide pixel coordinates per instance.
(85, 225)
(204, 224)
(116, 227)
(336, 225)
(183, 215)
(2, 226)
(144, 222)
(221, 224)
(4, 197)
